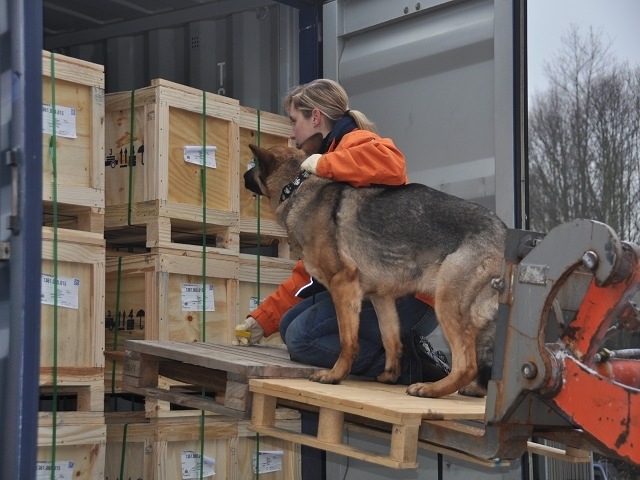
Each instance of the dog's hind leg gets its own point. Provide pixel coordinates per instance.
(389, 323)
(346, 294)
(461, 333)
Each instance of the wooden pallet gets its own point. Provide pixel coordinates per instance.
(86, 384)
(156, 223)
(222, 369)
(73, 217)
(367, 401)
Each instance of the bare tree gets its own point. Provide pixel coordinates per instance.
(584, 140)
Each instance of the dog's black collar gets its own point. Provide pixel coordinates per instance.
(291, 187)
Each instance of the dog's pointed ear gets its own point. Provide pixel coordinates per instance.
(312, 144)
(265, 158)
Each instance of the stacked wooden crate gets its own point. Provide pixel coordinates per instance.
(175, 232)
(73, 258)
(155, 187)
(156, 213)
(76, 88)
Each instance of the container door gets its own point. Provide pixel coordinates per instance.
(443, 79)
(20, 234)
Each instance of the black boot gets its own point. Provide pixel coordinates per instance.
(435, 365)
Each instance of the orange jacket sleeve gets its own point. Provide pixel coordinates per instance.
(363, 158)
(269, 312)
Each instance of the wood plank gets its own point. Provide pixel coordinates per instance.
(222, 370)
(254, 361)
(373, 400)
(568, 454)
(341, 449)
(187, 400)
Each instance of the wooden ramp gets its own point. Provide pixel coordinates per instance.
(368, 402)
(223, 371)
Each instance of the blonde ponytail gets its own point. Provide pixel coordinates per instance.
(330, 98)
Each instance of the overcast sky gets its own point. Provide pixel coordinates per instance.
(549, 20)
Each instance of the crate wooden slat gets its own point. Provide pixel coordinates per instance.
(79, 85)
(156, 188)
(221, 368)
(80, 331)
(388, 404)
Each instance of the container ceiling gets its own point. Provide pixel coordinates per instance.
(73, 22)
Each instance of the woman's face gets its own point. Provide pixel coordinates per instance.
(302, 127)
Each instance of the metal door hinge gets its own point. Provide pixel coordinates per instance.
(13, 161)
(5, 250)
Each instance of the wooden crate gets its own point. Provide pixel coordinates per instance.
(266, 130)
(80, 107)
(158, 284)
(157, 189)
(78, 319)
(80, 439)
(151, 295)
(156, 450)
(159, 449)
(272, 272)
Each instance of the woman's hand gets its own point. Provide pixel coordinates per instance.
(248, 332)
(311, 163)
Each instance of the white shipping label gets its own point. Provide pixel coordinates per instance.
(192, 298)
(65, 121)
(270, 461)
(191, 465)
(67, 291)
(193, 154)
(254, 302)
(63, 471)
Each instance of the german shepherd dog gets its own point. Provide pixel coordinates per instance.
(385, 242)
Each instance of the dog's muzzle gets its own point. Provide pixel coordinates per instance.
(251, 183)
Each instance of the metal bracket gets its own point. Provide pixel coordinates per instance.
(13, 161)
(5, 250)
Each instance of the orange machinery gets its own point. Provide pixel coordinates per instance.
(561, 295)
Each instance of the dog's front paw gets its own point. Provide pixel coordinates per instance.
(325, 376)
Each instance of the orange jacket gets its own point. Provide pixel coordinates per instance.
(362, 158)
